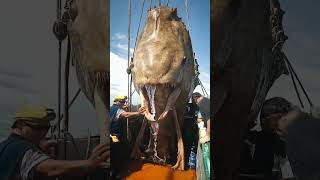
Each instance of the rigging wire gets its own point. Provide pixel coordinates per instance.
(58, 16)
(130, 60)
(295, 85)
(129, 79)
(69, 106)
(141, 13)
(135, 45)
(129, 30)
(204, 91)
(297, 78)
(187, 13)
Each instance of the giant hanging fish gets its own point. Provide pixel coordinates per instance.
(164, 76)
(89, 37)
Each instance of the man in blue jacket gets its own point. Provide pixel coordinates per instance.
(22, 154)
(120, 154)
(117, 112)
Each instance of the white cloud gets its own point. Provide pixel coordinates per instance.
(119, 37)
(123, 48)
(119, 78)
(119, 45)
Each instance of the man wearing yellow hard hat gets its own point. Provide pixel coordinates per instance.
(22, 154)
(117, 112)
(118, 149)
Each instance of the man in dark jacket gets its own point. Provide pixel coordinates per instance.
(275, 115)
(203, 114)
(22, 154)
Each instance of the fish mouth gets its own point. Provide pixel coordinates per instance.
(158, 99)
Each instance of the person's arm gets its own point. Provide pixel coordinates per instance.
(125, 114)
(206, 138)
(129, 114)
(208, 127)
(52, 167)
(199, 117)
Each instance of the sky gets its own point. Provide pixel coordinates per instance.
(199, 27)
(29, 65)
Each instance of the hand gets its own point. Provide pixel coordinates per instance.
(142, 110)
(204, 139)
(99, 154)
(48, 146)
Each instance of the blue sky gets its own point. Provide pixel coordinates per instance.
(199, 23)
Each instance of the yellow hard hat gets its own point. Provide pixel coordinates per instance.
(114, 138)
(120, 98)
(35, 115)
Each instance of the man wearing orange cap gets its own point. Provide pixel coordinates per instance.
(22, 154)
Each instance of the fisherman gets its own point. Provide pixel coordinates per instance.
(203, 114)
(117, 112)
(22, 154)
(119, 147)
(203, 151)
(276, 115)
(190, 134)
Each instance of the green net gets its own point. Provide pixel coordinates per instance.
(203, 161)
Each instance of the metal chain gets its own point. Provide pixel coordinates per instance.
(156, 158)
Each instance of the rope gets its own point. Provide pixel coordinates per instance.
(133, 92)
(58, 10)
(129, 80)
(58, 16)
(129, 63)
(129, 28)
(295, 85)
(150, 4)
(73, 100)
(142, 8)
(297, 78)
(69, 106)
(59, 91)
(66, 87)
(203, 89)
(187, 13)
